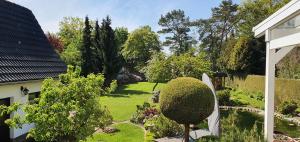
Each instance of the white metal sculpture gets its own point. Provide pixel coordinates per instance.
(213, 119)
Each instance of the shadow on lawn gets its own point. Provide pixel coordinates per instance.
(127, 93)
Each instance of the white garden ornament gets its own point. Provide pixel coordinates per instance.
(282, 34)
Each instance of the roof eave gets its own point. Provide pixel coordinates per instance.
(279, 16)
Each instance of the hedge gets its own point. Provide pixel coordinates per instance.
(285, 89)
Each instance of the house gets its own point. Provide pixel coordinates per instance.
(26, 58)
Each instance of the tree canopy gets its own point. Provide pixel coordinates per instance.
(139, 47)
(177, 24)
(70, 33)
(111, 58)
(70, 105)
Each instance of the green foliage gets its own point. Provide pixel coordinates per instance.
(111, 58)
(252, 12)
(158, 68)
(97, 52)
(289, 66)
(214, 31)
(139, 47)
(86, 50)
(228, 39)
(176, 24)
(121, 35)
(112, 87)
(68, 108)
(186, 100)
(232, 133)
(70, 33)
(162, 69)
(144, 112)
(188, 65)
(247, 98)
(288, 107)
(246, 55)
(160, 126)
(224, 97)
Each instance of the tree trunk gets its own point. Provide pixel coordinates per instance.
(186, 132)
(154, 86)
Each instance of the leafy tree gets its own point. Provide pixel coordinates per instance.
(158, 69)
(217, 29)
(187, 101)
(176, 24)
(189, 65)
(71, 55)
(55, 42)
(139, 47)
(86, 50)
(162, 69)
(252, 12)
(228, 39)
(121, 35)
(248, 53)
(68, 109)
(111, 58)
(70, 33)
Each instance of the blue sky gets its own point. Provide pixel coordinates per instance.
(127, 13)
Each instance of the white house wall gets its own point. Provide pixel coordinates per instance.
(13, 92)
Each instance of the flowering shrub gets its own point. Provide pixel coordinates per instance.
(144, 112)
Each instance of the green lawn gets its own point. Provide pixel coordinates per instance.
(122, 104)
(248, 98)
(126, 133)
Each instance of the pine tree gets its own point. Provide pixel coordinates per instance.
(176, 24)
(98, 47)
(86, 51)
(112, 64)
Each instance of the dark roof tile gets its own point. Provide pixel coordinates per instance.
(25, 53)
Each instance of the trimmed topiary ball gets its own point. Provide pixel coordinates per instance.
(186, 100)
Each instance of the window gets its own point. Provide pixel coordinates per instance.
(33, 96)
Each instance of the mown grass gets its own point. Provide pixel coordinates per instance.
(126, 133)
(252, 99)
(122, 104)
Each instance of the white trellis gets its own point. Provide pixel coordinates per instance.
(282, 34)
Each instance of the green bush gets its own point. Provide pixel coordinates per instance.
(288, 108)
(224, 97)
(186, 100)
(161, 126)
(68, 108)
(231, 133)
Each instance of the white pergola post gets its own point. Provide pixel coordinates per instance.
(284, 26)
(269, 90)
(272, 58)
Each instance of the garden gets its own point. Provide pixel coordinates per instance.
(135, 123)
(121, 85)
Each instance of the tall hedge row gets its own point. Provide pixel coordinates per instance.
(285, 89)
